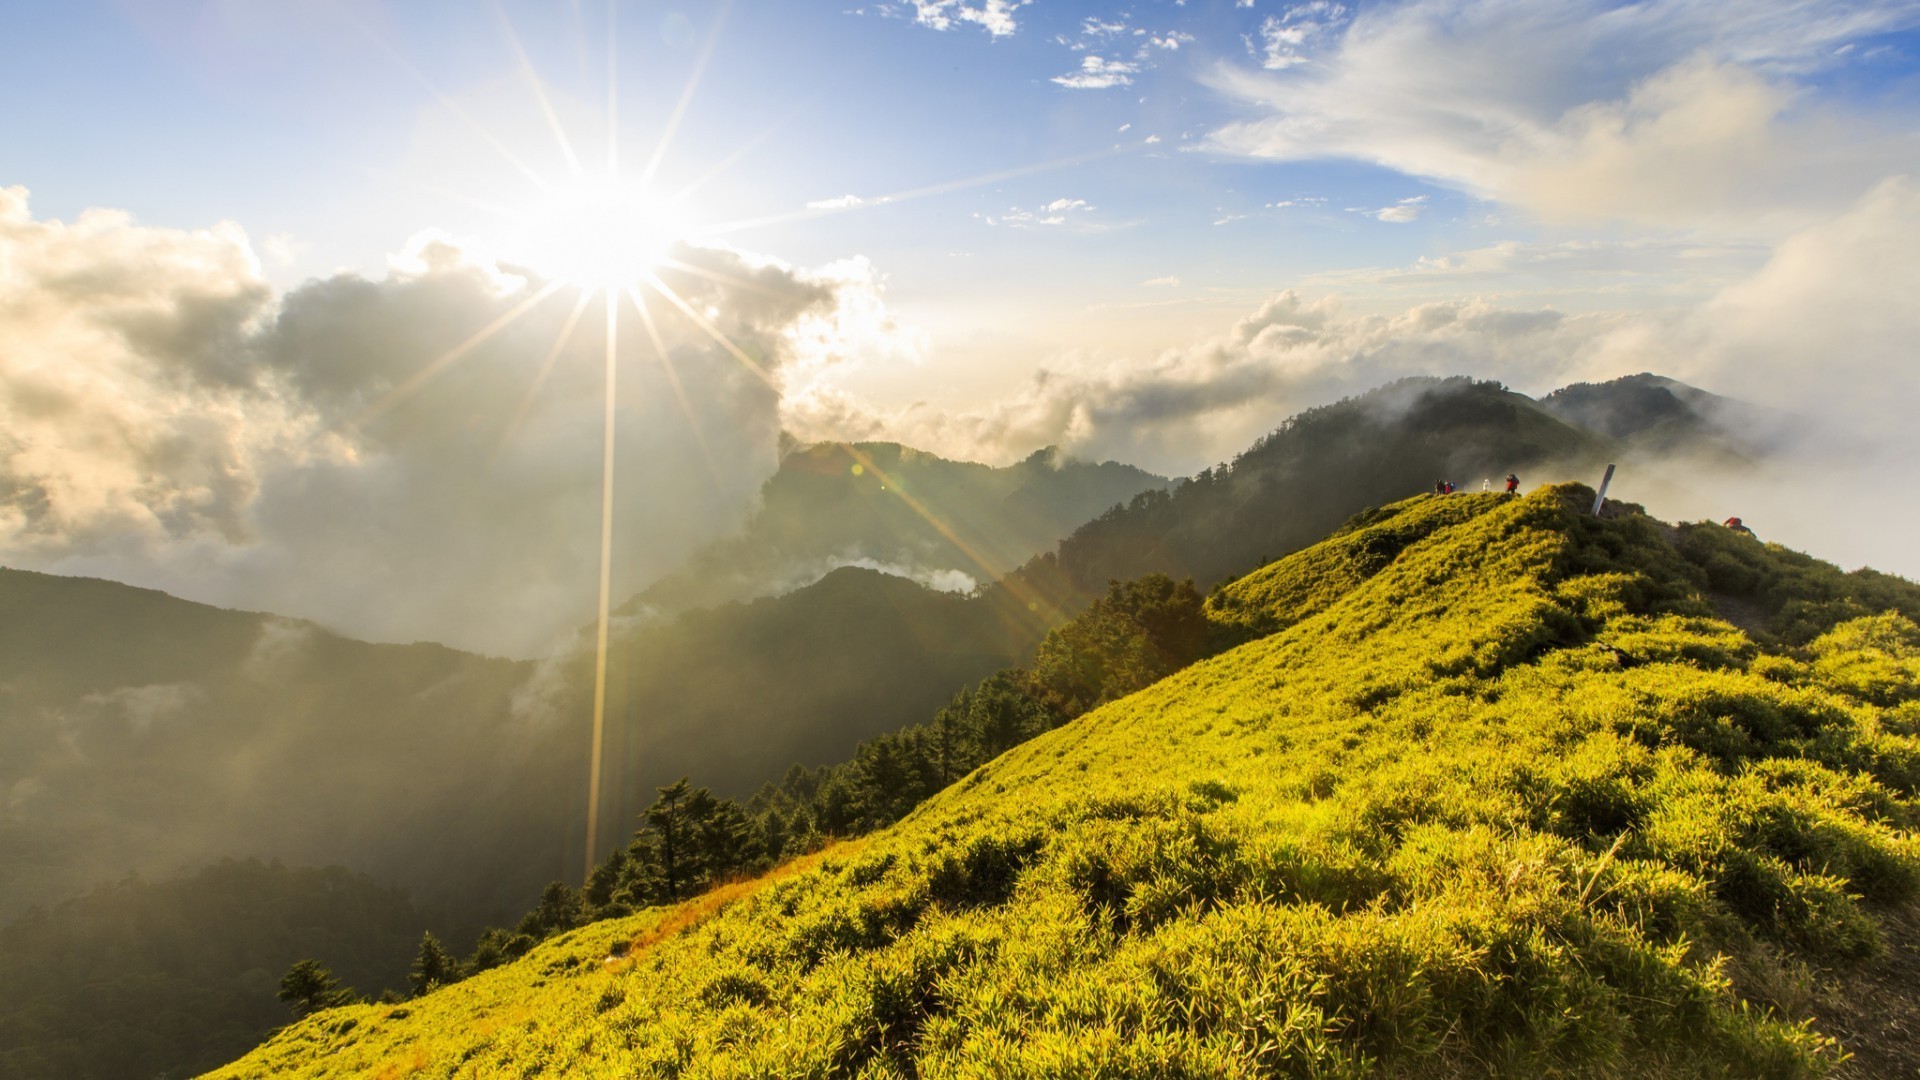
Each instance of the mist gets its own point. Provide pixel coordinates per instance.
(1819, 335)
(346, 452)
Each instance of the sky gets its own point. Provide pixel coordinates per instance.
(303, 304)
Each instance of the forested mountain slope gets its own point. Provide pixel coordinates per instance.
(1498, 791)
(888, 506)
(1654, 413)
(140, 978)
(1300, 482)
(140, 732)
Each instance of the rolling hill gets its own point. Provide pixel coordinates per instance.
(1498, 787)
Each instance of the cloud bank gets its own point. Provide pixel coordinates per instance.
(1683, 114)
(167, 420)
(1822, 330)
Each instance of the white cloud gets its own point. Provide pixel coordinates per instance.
(1056, 213)
(1402, 212)
(1171, 40)
(165, 419)
(993, 16)
(1189, 406)
(1822, 328)
(1169, 282)
(841, 202)
(1673, 113)
(1286, 38)
(1099, 74)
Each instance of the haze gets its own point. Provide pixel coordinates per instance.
(304, 308)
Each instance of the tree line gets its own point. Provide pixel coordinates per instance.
(689, 840)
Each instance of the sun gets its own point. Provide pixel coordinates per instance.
(599, 233)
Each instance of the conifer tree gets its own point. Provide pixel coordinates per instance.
(435, 966)
(308, 988)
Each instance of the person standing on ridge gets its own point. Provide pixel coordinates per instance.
(1513, 484)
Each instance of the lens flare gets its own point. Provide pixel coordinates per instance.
(599, 233)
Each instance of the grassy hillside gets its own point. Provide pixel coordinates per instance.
(1498, 791)
(884, 504)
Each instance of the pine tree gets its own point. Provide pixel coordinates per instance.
(309, 988)
(435, 966)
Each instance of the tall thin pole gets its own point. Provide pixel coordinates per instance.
(1601, 497)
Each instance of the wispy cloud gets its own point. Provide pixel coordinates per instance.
(1287, 39)
(1099, 74)
(1400, 213)
(840, 202)
(1059, 212)
(1162, 282)
(1679, 113)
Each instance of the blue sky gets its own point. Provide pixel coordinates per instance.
(1146, 231)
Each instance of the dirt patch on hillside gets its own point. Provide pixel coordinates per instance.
(1875, 1010)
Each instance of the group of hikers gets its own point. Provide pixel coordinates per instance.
(1445, 487)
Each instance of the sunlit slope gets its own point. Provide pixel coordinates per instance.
(1514, 801)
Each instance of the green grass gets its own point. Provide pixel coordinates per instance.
(1499, 794)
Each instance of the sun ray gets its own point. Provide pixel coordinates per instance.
(539, 90)
(546, 368)
(613, 92)
(732, 159)
(606, 587)
(420, 378)
(712, 331)
(718, 277)
(673, 378)
(686, 97)
(940, 525)
(940, 188)
(452, 106)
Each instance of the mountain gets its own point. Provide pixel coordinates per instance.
(143, 733)
(1496, 787)
(139, 732)
(738, 694)
(139, 978)
(951, 524)
(1654, 413)
(1300, 482)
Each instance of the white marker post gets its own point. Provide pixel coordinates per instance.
(1600, 499)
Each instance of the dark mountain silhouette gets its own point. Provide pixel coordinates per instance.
(140, 732)
(1654, 413)
(887, 506)
(1319, 467)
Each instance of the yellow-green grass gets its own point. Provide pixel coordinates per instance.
(1509, 801)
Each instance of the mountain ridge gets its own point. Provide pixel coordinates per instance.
(1511, 798)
